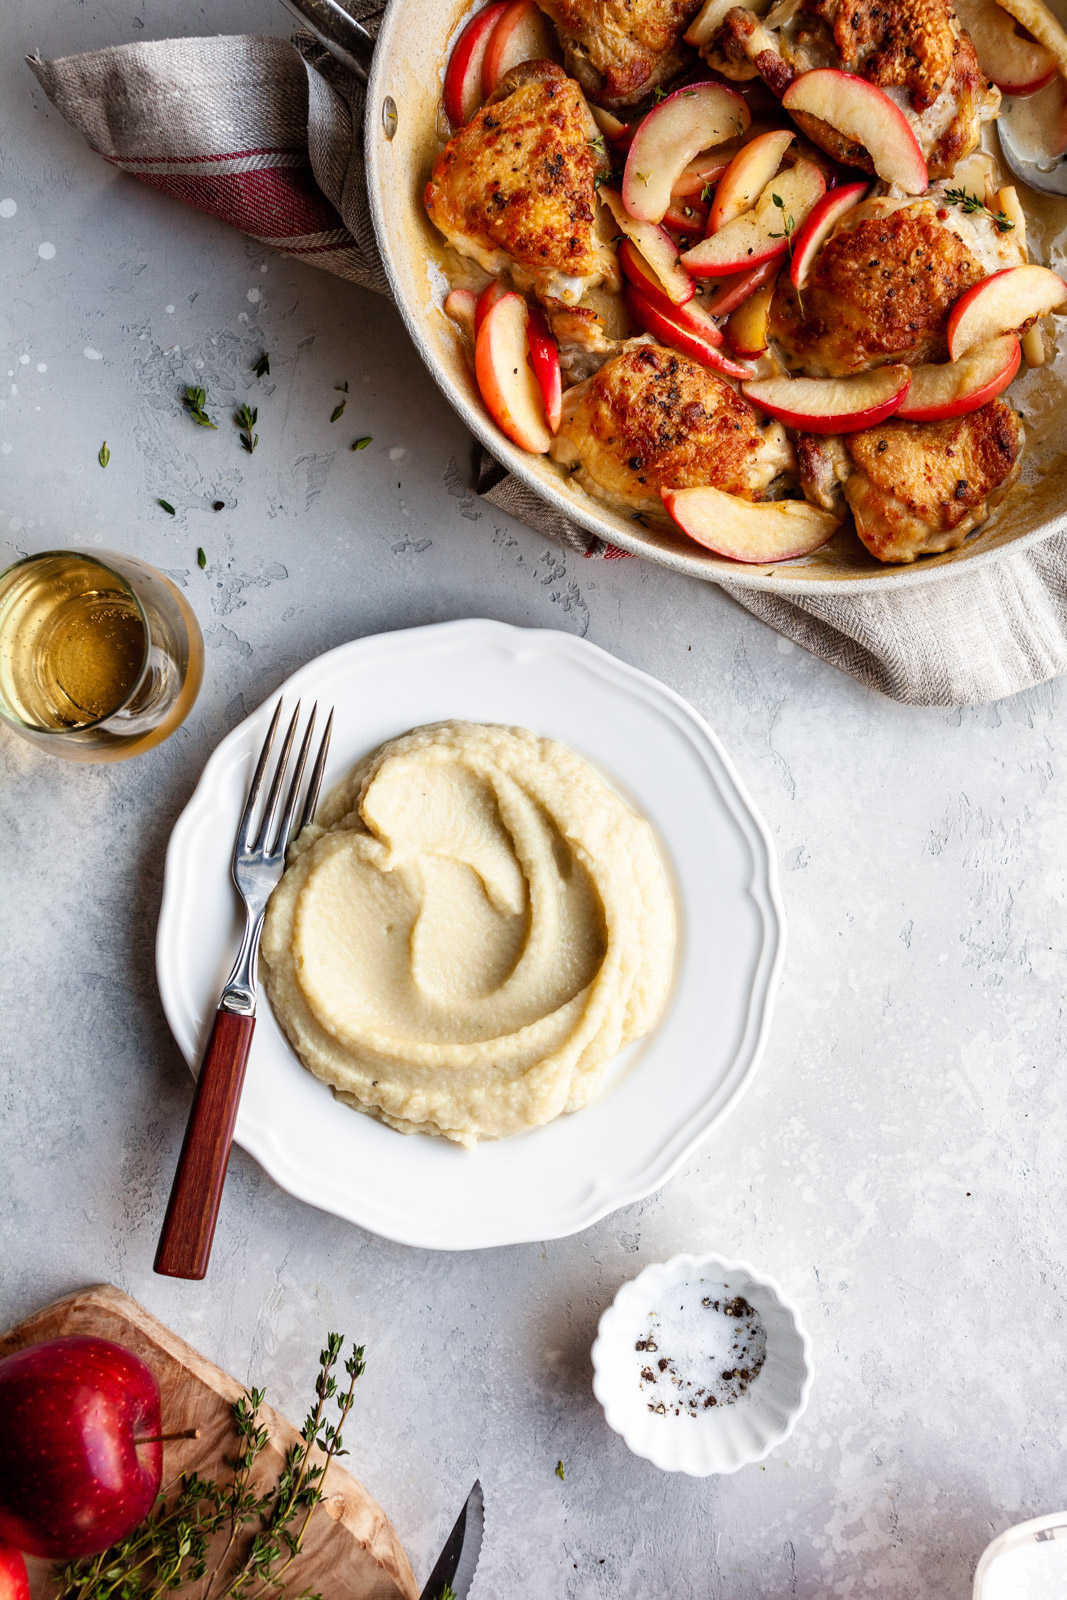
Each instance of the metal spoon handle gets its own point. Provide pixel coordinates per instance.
(347, 40)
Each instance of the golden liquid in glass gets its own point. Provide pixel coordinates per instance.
(72, 644)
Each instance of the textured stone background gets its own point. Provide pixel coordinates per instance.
(899, 1163)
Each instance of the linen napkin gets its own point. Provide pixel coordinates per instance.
(268, 136)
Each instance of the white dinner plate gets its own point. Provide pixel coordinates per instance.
(662, 1096)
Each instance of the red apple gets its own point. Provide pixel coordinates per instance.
(680, 127)
(14, 1579)
(1006, 302)
(460, 305)
(671, 330)
(761, 234)
(463, 75)
(657, 247)
(80, 1457)
(732, 292)
(822, 220)
(864, 113)
(544, 359)
(522, 33)
(493, 291)
(954, 388)
(505, 377)
(611, 126)
(706, 168)
(743, 530)
(1016, 65)
(688, 217)
(747, 328)
(748, 174)
(832, 405)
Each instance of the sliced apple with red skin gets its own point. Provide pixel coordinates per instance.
(460, 307)
(657, 247)
(1016, 65)
(615, 131)
(862, 112)
(493, 291)
(759, 234)
(544, 360)
(748, 174)
(832, 405)
(822, 220)
(680, 127)
(706, 168)
(954, 388)
(732, 292)
(686, 216)
(463, 75)
(681, 336)
(758, 533)
(692, 315)
(1004, 303)
(746, 330)
(522, 33)
(506, 379)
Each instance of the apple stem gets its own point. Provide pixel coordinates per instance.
(164, 1438)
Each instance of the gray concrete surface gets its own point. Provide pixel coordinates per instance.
(899, 1164)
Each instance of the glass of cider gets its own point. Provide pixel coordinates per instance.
(100, 655)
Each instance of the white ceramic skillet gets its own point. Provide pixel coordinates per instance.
(401, 134)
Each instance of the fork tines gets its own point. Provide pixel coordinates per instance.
(249, 841)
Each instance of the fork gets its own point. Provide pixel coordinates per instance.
(192, 1211)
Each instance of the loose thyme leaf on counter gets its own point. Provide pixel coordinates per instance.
(246, 421)
(168, 508)
(361, 444)
(337, 410)
(263, 1523)
(559, 1472)
(195, 400)
(342, 388)
(261, 366)
(201, 558)
(105, 454)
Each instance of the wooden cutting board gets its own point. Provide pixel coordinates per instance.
(350, 1551)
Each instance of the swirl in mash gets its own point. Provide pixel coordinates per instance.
(469, 933)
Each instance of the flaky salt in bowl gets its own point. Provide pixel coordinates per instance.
(702, 1365)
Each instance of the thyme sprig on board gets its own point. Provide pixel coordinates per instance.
(231, 1538)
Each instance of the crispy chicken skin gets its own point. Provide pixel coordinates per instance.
(917, 488)
(915, 49)
(883, 286)
(652, 418)
(619, 50)
(515, 189)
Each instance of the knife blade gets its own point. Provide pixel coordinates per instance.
(454, 1569)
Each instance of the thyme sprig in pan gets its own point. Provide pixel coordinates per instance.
(971, 203)
(263, 1528)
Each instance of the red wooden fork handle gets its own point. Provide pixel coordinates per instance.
(192, 1211)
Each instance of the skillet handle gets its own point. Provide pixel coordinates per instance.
(347, 40)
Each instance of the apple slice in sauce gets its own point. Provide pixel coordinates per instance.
(680, 127)
(1006, 302)
(463, 75)
(953, 388)
(657, 247)
(747, 328)
(732, 292)
(762, 233)
(1016, 65)
(822, 220)
(544, 360)
(522, 33)
(704, 170)
(865, 114)
(511, 391)
(759, 533)
(832, 405)
(748, 174)
(682, 332)
(460, 305)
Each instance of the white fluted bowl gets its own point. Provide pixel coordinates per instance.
(726, 1437)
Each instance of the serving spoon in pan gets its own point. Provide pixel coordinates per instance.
(1016, 127)
(347, 40)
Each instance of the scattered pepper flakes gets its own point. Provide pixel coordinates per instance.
(168, 508)
(105, 454)
(559, 1472)
(219, 505)
(201, 558)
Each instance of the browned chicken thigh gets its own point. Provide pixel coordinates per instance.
(619, 50)
(914, 49)
(652, 418)
(883, 286)
(516, 188)
(916, 488)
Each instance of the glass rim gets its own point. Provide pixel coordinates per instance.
(97, 559)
